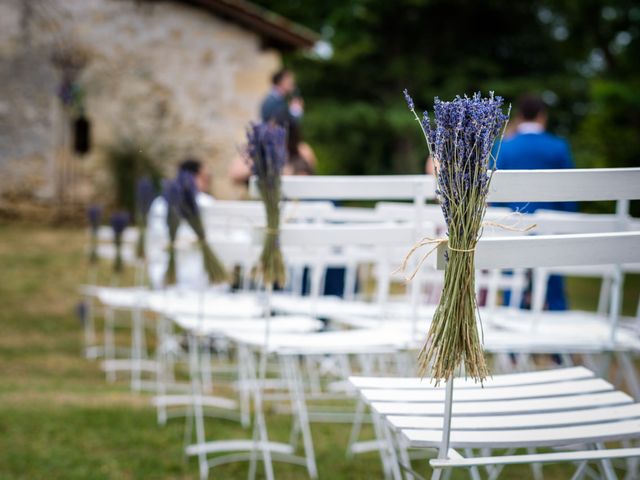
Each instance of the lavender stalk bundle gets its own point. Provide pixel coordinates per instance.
(189, 210)
(171, 194)
(119, 222)
(145, 194)
(94, 215)
(460, 141)
(267, 150)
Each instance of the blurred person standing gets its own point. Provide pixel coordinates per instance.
(531, 147)
(283, 104)
(301, 159)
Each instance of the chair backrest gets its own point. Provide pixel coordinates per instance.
(251, 213)
(549, 250)
(592, 184)
(609, 248)
(322, 245)
(369, 187)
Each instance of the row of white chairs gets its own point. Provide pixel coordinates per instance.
(385, 333)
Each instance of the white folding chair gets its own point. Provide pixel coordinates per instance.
(568, 428)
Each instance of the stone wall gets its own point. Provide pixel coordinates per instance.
(175, 78)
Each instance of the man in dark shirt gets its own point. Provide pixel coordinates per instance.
(278, 106)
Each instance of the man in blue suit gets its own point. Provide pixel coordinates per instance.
(533, 148)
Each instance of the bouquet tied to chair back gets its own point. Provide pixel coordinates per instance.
(145, 194)
(181, 195)
(461, 139)
(267, 152)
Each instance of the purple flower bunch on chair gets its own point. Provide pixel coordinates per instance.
(119, 223)
(267, 151)
(171, 194)
(94, 215)
(145, 195)
(185, 195)
(460, 139)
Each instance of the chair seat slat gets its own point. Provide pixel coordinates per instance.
(532, 420)
(485, 395)
(538, 437)
(537, 405)
(526, 378)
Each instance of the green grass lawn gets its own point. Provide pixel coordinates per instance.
(59, 419)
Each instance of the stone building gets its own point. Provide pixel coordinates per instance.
(171, 78)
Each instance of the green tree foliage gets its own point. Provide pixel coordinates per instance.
(583, 56)
(128, 160)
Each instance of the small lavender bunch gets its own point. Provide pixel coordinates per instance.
(188, 208)
(145, 195)
(94, 214)
(171, 194)
(119, 222)
(460, 141)
(267, 150)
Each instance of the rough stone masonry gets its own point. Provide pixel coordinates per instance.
(178, 79)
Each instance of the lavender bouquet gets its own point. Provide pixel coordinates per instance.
(145, 194)
(460, 140)
(267, 150)
(94, 214)
(171, 194)
(188, 208)
(119, 222)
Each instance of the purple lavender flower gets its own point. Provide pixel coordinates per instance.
(460, 140)
(267, 148)
(119, 222)
(145, 195)
(186, 194)
(183, 193)
(460, 137)
(66, 92)
(409, 100)
(94, 214)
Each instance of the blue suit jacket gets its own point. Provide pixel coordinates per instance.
(536, 151)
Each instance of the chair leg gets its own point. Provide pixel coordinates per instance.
(109, 341)
(90, 328)
(393, 463)
(630, 373)
(536, 468)
(244, 380)
(633, 464)
(356, 427)
(298, 403)
(579, 473)
(198, 413)
(260, 435)
(474, 473)
(205, 367)
(388, 457)
(607, 467)
(136, 348)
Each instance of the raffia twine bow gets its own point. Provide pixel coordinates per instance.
(437, 241)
